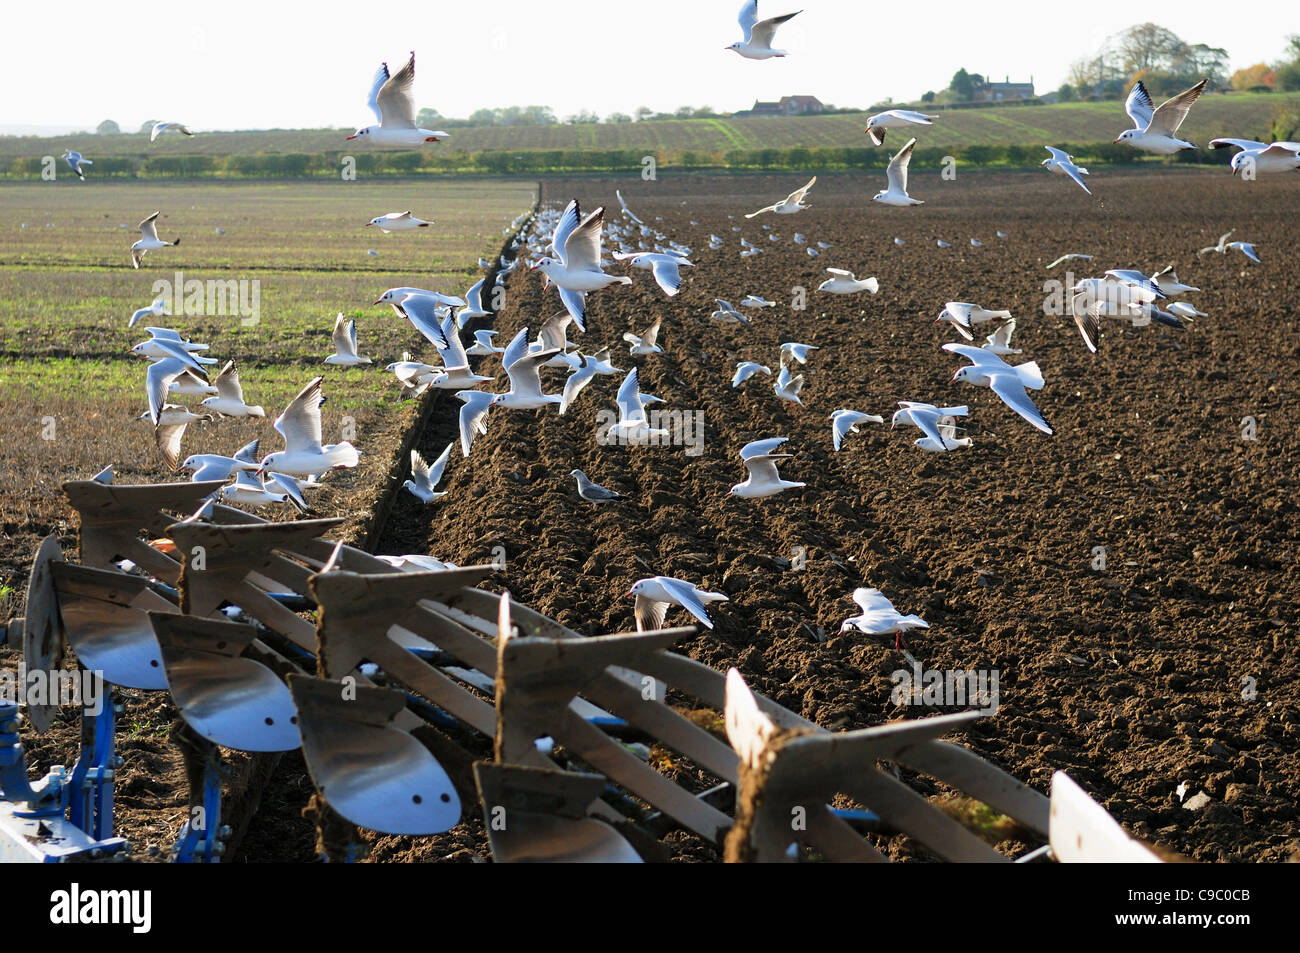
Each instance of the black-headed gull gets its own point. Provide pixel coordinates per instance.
(1153, 130)
(747, 369)
(582, 375)
(645, 342)
(249, 490)
(523, 369)
(1224, 246)
(1186, 311)
(229, 401)
(845, 422)
(345, 344)
(483, 346)
(963, 315)
(213, 466)
(727, 312)
(879, 617)
(1069, 256)
(896, 194)
(159, 379)
(654, 594)
(398, 222)
(422, 309)
(627, 212)
(170, 429)
(756, 301)
(788, 387)
(425, 476)
(843, 282)
(794, 351)
(1167, 281)
(664, 268)
(999, 342)
(794, 202)
(895, 119)
(574, 263)
(163, 128)
(300, 426)
(1260, 157)
(75, 161)
(948, 440)
(927, 417)
(149, 241)
(473, 415)
(633, 422)
(156, 310)
(393, 104)
(594, 493)
(1062, 163)
(757, 44)
(1009, 383)
(763, 480)
(473, 305)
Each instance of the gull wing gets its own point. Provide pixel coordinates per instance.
(569, 220)
(652, 333)
(157, 381)
(1245, 145)
(453, 355)
(372, 98)
(473, 416)
(168, 437)
(524, 374)
(227, 383)
(574, 384)
(898, 167)
(421, 310)
(1166, 120)
(650, 614)
(686, 595)
(976, 355)
(667, 274)
(149, 228)
(300, 422)
(1073, 171)
(395, 100)
(748, 17)
(626, 211)
(871, 600)
(1086, 321)
(288, 486)
(344, 336)
(629, 398)
(575, 302)
(764, 31)
(1139, 106)
(517, 348)
(759, 448)
(248, 453)
(798, 195)
(1009, 387)
(582, 246)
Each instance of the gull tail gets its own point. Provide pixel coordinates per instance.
(342, 455)
(1030, 375)
(713, 596)
(256, 412)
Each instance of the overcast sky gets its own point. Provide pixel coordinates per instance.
(251, 65)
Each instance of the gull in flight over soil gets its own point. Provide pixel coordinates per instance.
(948, 440)
(1069, 256)
(574, 264)
(627, 212)
(425, 477)
(584, 374)
(756, 301)
(757, 44)
(162, 128)
(1009, 383)
(1224, 246)
(963, 315)
(843, 282)
(149, 241)
(170, 429)
(665, 268)
(896, 194)
(727, 312)
(75, 161)
(271, 488)
(845, 422)
(229, 401)
(1167, 281)
(895, 119)
(421, 309)
(1062, 163)
(794, 202)
(747, 369)
(473, 416)
(393, 104)
(398, 222)
(159, 379)
(999, 342)
(644, 343)
(1260, 157)
(1153, 131)
(927, 417)
(793, 350)
(345, 344)
(763, 479)
(213, 466)
(633, 422)
(300, 426)
(156, 310)
(1185, 311)
(787, 387)
(483, 346)
(879, 617)
(474, 305)
(523, 368)
(656, 593)
(594, 493)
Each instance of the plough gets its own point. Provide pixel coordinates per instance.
(270, 637)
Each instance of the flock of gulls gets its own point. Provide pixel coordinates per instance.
(565, 247)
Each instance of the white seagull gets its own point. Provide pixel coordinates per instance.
(345, 344)
(747, 369)
(656, 593)
(794, 202)
(763, 479)
(229, 401)
(927, 417)
(879, 617)
(574, 264)
(398, 222)
(895, 119)
(665, 268)
(1062, 163)
(727, 312)
(483, 346)
(424, 477)
(948, 440)
(300, 426)
(1224, 246)
(393, 104)
(75, 161)
(896, 194)
(1260, 157)
(1167, 281)
(1009, 383)
(645, 342)
(845, 422)
(149, 241)
(473, 415)
(787, 387)
(156, 310)
(162, 128)
(843, 282)
(963, 315)
(584, 374)
(473, 306)
(1153, 131)
(999, 342)
(757, 44)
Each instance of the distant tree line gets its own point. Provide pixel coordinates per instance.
(1163, 61)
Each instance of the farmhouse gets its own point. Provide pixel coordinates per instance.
(1003, 92)
(786, 106)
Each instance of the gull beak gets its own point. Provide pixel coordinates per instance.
(1116, 142)
(379, 301)
(629, 593)
(954, 378)
(351, 137)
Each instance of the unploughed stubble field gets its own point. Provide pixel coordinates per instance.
(67, 290)
(1130, 677)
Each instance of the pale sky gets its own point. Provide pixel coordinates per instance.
(252, 65)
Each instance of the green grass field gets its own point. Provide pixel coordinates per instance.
(67, 289)
(1237, 114)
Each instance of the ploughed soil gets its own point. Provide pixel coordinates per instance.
(1131, 579)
